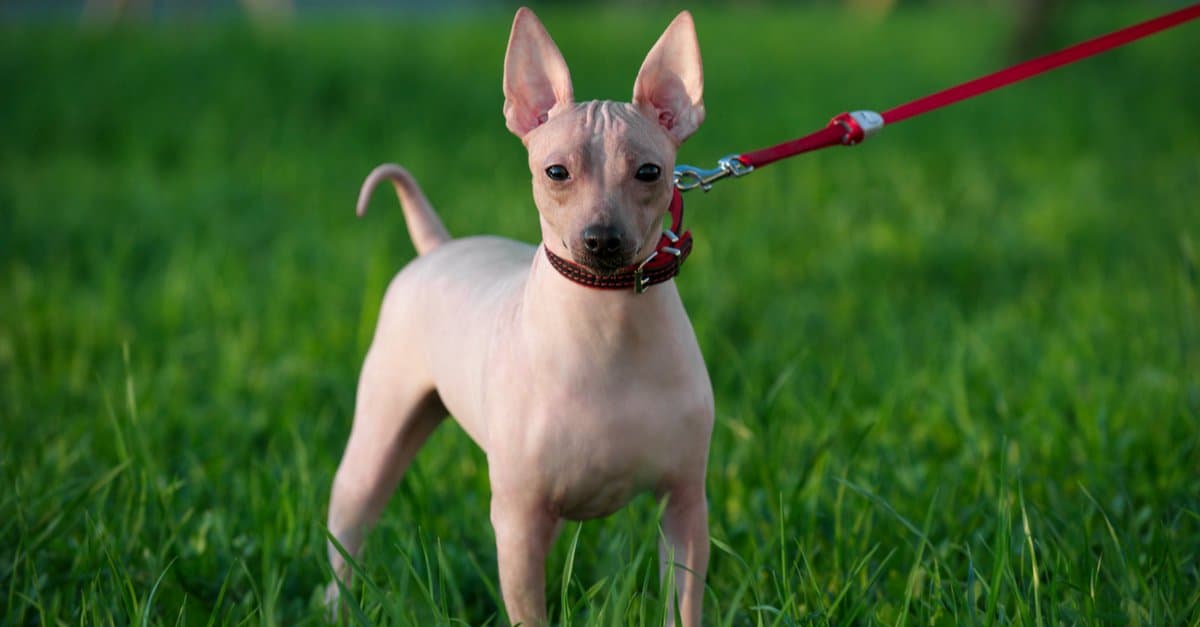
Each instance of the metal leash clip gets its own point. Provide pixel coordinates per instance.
(689, 177)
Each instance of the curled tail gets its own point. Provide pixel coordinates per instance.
(424, 226)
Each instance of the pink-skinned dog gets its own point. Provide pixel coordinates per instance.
(581, 397)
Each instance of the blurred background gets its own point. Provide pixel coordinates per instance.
(957, 368)
(1033, 20)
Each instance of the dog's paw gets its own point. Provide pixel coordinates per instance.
(333, 602)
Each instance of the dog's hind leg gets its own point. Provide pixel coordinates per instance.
(394, 414)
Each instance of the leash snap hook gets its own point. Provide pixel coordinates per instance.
(689, 177)
(858, 125)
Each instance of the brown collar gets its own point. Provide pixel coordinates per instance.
(661, 265)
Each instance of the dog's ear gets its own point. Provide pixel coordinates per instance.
(670, 85)
(536, 81)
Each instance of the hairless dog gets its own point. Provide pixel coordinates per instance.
(581, 398)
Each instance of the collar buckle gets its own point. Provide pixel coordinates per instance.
(640, 280)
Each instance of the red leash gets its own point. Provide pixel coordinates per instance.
(851, 128)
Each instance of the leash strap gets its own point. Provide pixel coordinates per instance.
(851, 128)
(661, 265)
(1039, 65)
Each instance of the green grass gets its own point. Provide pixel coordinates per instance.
(957, 369)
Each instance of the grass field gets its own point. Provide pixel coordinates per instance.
(957, 369)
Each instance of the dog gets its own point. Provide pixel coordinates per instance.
(581, 397)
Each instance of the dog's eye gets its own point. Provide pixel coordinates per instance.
(557, 173)
(648, 172)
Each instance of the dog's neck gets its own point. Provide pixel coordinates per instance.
(609, 324)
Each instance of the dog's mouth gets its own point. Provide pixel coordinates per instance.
(601, 264)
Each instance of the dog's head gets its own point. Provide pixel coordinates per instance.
(602, 170)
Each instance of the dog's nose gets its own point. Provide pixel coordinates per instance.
(601, 239)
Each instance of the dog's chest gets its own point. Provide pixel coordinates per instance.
(589, 406)
(596, 452)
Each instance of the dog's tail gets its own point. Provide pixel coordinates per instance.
(424, 226)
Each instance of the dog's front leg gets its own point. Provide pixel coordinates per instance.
(524, 533)
(685, 547)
